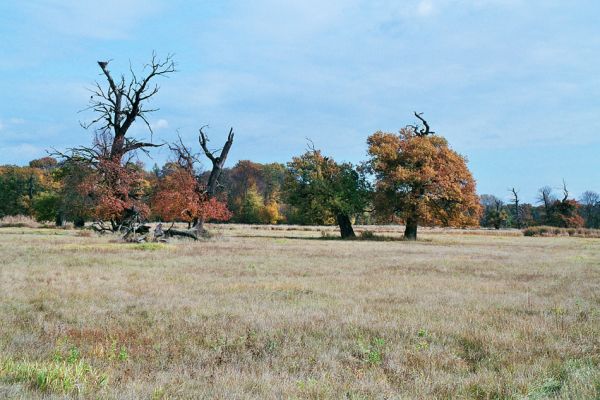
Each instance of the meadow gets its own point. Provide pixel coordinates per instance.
(290, 312)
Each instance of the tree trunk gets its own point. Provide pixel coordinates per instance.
(199, 226)
(410, 231)
(59, 220)
(345, 226)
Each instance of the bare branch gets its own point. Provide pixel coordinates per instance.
(565, 192)
(421, 132)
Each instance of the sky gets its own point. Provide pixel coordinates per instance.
(514, 85)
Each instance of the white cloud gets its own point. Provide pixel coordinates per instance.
(425, 8)
(160, 124)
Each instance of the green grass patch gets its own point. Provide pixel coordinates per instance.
(62, 377)
(573, 379)
(147, 246)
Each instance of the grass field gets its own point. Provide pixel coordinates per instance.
(285, 313)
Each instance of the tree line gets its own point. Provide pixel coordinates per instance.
(411, 177)
(552, 208)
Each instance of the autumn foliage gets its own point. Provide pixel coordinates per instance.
(422, 181)
(115, 189)
(564, 214)
(180, 197)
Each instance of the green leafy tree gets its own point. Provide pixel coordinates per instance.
(323, 190)
(47, 206)
(252, 205)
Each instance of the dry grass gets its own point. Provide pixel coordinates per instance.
(555, 231)
(264, 313)
(18, 221)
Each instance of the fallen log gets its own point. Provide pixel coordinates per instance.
(188, 233)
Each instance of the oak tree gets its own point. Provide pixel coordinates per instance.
(322, 188)
(420, 179)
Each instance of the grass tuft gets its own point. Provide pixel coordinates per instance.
(62, 377)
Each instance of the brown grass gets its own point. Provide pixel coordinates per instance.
(549, 231)
(18, 221)
(265, 313)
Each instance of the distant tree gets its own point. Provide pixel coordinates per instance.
(421, 180)
(269, 214)
(20, 185)
(266, 179)
(527, 214)
(494, 213)
(322, 189)
(47, 206)
(516, 209)
(44, 163)
(565, 213)
(545, 198)
(590, 208)
(75, 204)
(251, 207)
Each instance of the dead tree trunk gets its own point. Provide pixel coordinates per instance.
(186, 160)
(217, 168)
(517, 208)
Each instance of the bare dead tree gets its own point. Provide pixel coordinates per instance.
(217, 162)
(118, 106)
(515, 195)
(186, 159)
(565, 192)
(545, 197)
(421, 131)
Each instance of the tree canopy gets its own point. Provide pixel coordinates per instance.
(421, 180)
(322, 189)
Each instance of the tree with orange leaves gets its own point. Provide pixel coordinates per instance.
(180, 197)
(421, 180)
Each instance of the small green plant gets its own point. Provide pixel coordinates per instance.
(74, 355)
(422, 345)
(158, 393)
(371, 352)
(117, 353)
(123, 356)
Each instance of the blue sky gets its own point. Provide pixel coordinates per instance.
(514, 85)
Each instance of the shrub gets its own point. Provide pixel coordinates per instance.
(554, 231)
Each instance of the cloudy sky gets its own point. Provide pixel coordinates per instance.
(513, 84)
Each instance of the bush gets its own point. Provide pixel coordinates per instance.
(549, 231)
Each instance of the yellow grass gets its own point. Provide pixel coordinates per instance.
(271, 313)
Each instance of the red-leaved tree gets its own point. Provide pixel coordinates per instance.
(180, 197)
